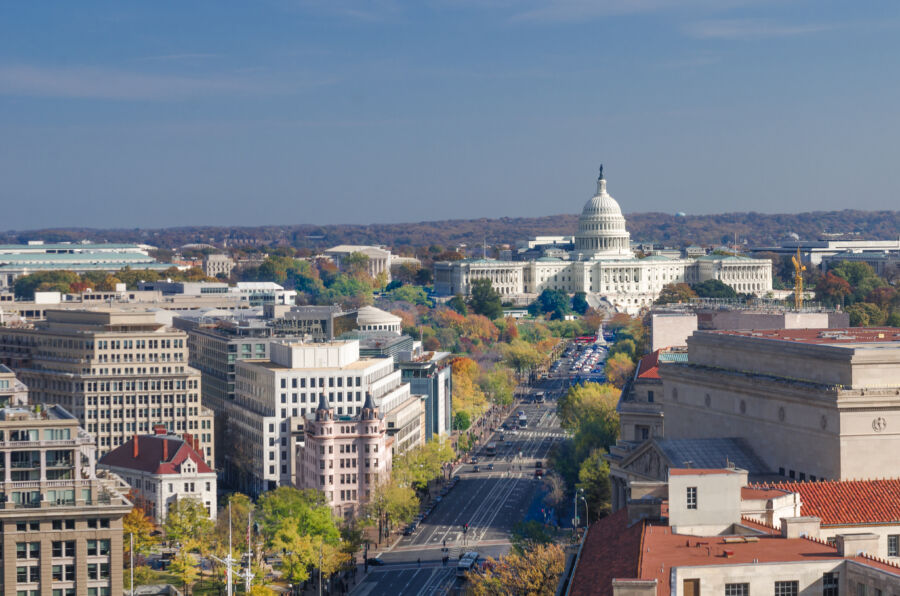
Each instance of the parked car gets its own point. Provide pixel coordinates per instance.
(375, 561)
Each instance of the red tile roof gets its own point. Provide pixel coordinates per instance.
(155, 456)
(648, 366)
(848, 502)
(699, 471)
(611, 550)
(847, 335)
(758, 492)
(649, 550)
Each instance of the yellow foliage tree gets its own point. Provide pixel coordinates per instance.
(535, 572)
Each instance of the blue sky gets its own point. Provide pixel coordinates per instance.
(149, 114)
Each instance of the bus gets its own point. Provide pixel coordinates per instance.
(539, 397)
(490, 449)
(466, 563)
(523, 420)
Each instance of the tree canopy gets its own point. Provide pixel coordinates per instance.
(485, 300)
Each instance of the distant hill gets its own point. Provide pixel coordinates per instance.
(755, 228)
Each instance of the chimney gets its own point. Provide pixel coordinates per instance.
(850, 545)
(798, 527)
(159, 429)
(135, 454)
(188, 439)
(165, 449)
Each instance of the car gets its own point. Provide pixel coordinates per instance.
(408, 530)
(474, 468)
(539, 473)
(456, 478)
(374, 561)
(475, 459)
(490, 466)
(438, 499)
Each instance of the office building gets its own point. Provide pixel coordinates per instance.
(274, 398)
(430, 374)
(119, 372)
(17, 260)
(218, 265)
(62, 520)
(345, 457)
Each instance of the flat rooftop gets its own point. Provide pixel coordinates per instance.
(360, 364)
(840, 336)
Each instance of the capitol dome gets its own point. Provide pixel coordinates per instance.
(601, 227)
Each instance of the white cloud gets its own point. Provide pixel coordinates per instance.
(749, 29)
(86, 82)
(584, 10)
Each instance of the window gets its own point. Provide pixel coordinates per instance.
(830, 584)
(861, 589)
(650, 399)
(737, 589)
(692, 497)
(788, 588)
(893, 549)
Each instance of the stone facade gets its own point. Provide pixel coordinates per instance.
(602, 263)
(345, 457)
(814, 403)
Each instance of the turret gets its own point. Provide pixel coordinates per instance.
(323, 411)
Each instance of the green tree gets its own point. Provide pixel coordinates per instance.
(526, 535)
(498, 385)
(143, 575)
(713, 288)
(411, 294)
(188, 524)
(458, 303)
(356, 263)
(485, 300)
(462, 421)
(552, 302)
(624, 346)
(864, 314)
(580, 303)
(593, 476)
(44, 281)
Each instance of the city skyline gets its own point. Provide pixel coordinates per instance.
(354, 113)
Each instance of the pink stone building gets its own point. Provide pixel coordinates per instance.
(345, 457)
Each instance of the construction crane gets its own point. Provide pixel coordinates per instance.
(799, 268)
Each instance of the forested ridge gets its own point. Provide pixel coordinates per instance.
(754, 228)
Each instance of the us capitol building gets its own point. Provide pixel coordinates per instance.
(603, 264)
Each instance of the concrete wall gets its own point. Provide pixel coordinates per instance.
(669, 330)
(760, 576)
(718, 500)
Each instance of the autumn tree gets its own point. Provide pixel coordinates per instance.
(522, 356)
(619, 368)
(184, 567)
(188, 524)
(832, 290)
(136, 523)
(535, 572)
(676, 293)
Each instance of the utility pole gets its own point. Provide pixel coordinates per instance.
(131, 543)
(249, 574)
(228, 561)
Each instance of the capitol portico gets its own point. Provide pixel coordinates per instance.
(603, 263)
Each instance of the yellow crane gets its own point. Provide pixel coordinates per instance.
(799, 268)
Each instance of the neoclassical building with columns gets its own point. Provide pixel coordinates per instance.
(603, 263)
